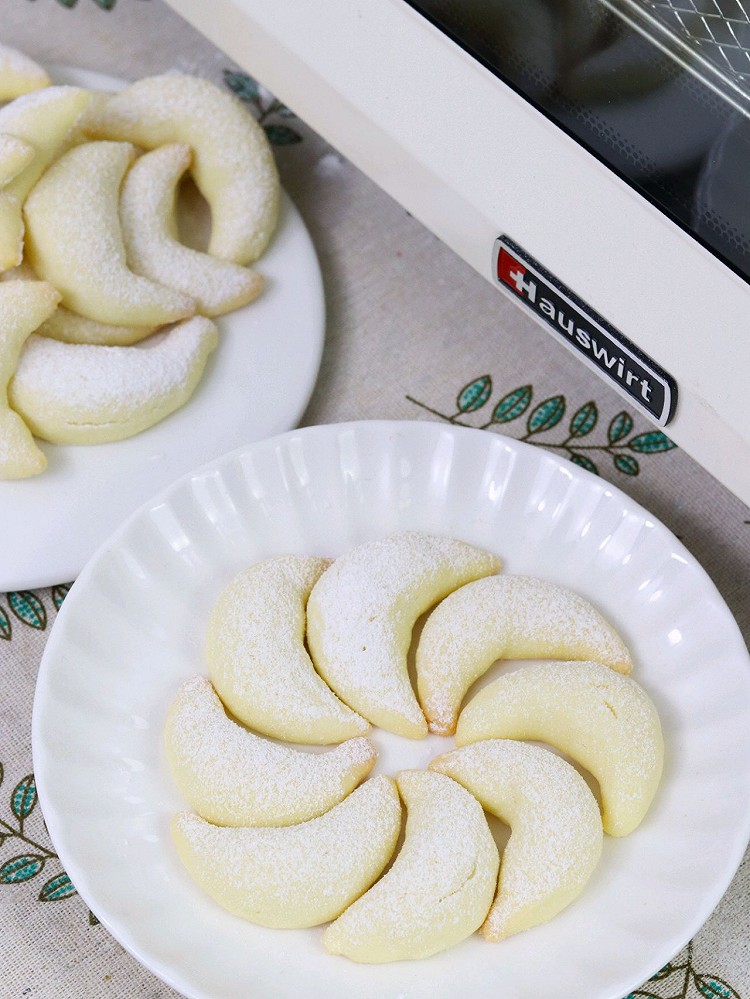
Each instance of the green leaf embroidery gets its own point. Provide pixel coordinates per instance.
(651, 443)
(59, 593)
(474, 395)
(627, 464)
(24, 797)
(21, 868)
(714, 988)
(664, 972)
(619, 427)
(57, 888)
(583, 461)
(5, 628)
(512, 405)
(93, 920)
(105, 4)
(584, 420)
(546, 415)
(28, 608)
(281, 135)
(244, 86)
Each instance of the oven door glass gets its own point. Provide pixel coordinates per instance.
(659, 90)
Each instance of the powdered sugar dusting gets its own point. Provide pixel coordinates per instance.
(556, 838)
(233, 165)
(23, 306)
(67, 391)
(505, 617)
(147, 215)
(15, 154)
(232, 776)
(19, 74)
(257, 657)
(74, 240)
(441, 884)
(44, 119)
(603, 720)
(300, 875)
(362, 612)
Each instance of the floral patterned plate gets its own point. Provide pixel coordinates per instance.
(132, 629)
(257, 383)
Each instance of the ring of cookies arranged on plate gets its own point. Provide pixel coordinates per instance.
(315, 651)
(106, 315)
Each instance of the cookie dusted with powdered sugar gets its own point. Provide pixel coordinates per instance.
(233, 777)
(505, 617)
(232, 161)
(362, 612)
(300, 875)
(441, 884)
(556, 828)
(599, 718)
(257, 659)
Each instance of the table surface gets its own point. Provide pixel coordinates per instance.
(403, 340)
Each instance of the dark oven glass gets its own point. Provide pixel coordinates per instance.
(656, 90)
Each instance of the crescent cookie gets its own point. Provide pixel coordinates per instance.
(71, 328)
(295, 876)
(86, 394)
(74, 241)
(257, 660)
(23, 306)
(362, 612)
(15, 154)
(441, 884)
(19, 74)
(149, 228)
(233, 165)
(232, 777)
(43, 120)
(556, 828)
(601, 719)
(505, 617)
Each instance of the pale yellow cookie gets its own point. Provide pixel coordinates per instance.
(149, 228)
(257, 660)
(599, 718)
(19, 74)
(362, 612)
(233, 777)
(74, 241)
(556, 828)
(505, 617)
(295, 876)
(441, 884)
(87, 394)
(42, 120)
(23, 306)
(233, 165)
(15, 154)
(71, 328)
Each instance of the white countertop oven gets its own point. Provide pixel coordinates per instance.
(591, 158)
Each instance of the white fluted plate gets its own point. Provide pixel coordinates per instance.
(132, 626)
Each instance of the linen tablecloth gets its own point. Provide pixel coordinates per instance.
(412, 333)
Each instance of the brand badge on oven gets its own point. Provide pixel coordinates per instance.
(642, 380)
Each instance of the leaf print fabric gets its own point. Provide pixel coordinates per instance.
(548, 415)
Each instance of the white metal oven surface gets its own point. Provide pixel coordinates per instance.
(475, 159)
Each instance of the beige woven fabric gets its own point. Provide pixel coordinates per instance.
(409, 327)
